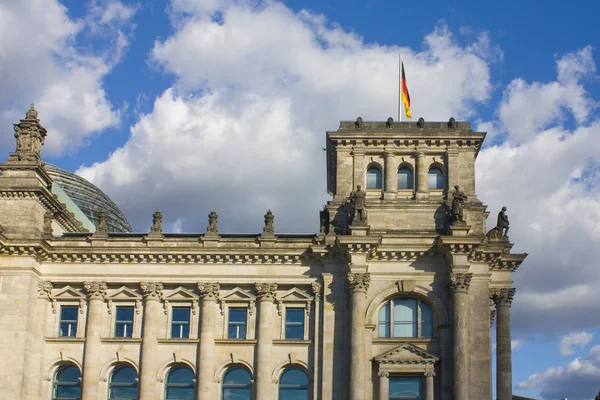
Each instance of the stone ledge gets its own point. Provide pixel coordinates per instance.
(236, 341)
(299, 342)
(64, 339)
(121, 340)
(178, 341)
(404, 340)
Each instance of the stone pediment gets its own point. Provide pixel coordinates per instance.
(68, 293)
(295, 294)
(406, 354)
(124, 293)
(238, 294)
(181, 294)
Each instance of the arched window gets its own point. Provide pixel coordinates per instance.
(237, 385)
(180, 384)
(293, 384)
(405, 178)
(123, 384)
(400, 317)
(67, 383)
(374, 178)
(435, 178)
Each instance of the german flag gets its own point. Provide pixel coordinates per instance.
(405, 95)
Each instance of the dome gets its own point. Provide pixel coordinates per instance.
(89, 199)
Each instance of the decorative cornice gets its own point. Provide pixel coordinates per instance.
(95, 290)
(266, 291)
(460, 282)
(152, 290)
(209, 291)
(359, 282)
(502, 296)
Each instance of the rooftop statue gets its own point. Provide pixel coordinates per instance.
(458, 203)
(358, 199)
(502, 226)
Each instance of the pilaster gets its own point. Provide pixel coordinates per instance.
(503, 299)
(358, 285)
(459, 285)
(96, 294)
(209, 294)
(266, 293)
(152, 293)
(391, 176)
(422, 192)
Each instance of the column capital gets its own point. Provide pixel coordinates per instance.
(389, 153)
(359, 282)
(152, 290)
(460, 282)
(266, 291)
(95, 290)
(429, 374)
(208, 290)
(502, 296)
(316, 288)
(383, 374)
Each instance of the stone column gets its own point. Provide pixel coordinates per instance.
(459, 284)
(316, 288)
(152, 292)
(266, 296)
(96, 293)
(503, 299)
(429, 391)
(209, 293)
(422, 174)
(391, 176)
(358, 284)
(384, 385)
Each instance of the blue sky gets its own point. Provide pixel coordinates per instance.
(206, 99)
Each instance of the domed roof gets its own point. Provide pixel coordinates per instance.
(89, 199)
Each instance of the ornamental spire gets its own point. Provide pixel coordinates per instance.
(30, 136)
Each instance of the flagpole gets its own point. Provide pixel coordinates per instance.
(399, 87)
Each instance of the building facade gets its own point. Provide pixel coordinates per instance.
(393, 299)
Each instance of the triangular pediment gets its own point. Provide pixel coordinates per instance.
(124, 293)
(181, 294)
(238, 294)
(68, 293)
(406, 353)
(295, 294)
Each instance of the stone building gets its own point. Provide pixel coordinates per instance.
(393, 299)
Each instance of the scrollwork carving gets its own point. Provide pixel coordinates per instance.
(266, 291)
(460, 282)
(209, 291)
(152, 290)
(502, 296)
(95, 290)
(359, 282)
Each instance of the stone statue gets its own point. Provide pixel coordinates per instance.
(101, 228)
(597, 396)
(157, 222)
(458, 203)
(268, 230)
(503, 224)
(212, 223)
(358, 200)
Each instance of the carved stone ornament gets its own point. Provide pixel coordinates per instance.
(429, 374)
(460, 282)
(359, 123)
(213, 220)
(30, 135)
(157, 222)
(500, 231)
(316, 288)
(45, 289)
(421, 123)
(452, 123)
(266, 290)
(48, 217)
(383, 374)
(406, 285)
(503, 296)
(209, 291)
(101, 229)
(152, 290)
(359, 282)
(95, 290)
(268, 230)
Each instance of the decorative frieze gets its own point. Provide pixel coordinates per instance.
(460, 282)
(266, 291)
(502, 296)
(359, 282)
(209, 291)
(152, 290)
(95, 290)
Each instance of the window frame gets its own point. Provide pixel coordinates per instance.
(131, 323)
(179, 385)
(374, 166)
(418, 378)
(181, 324)
(55, 384)
(60, 320)
(417, 323)
(228, 322)
(409, 168)
(306, 387)
(250, 384)
(121, 385)
(442, 171)
(301, 308)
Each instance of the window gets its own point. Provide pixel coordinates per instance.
(237, 323)
(293, 385)
(180, 384)
(399, 317)
(123, 384)
(294, 323)
(405, 388)
(405, 178)
(237, 385)
(67, 383)
(435, 178)
(373, 178)
(124, 322)
(180, 325)
(68, 321)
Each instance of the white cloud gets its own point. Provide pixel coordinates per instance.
(577, 381)
(243, 127)
(514, 344)
(573, 339)
(43, 64)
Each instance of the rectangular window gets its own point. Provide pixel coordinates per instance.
(405, 388)
(68, 321)
(124, 322)
(237, 323)
(180, 325)
(294, 323)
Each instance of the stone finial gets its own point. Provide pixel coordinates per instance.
(266, 291)
(460, 282)
(209, 291)
(47, 231)
(157, 222)
(502, 296)
(213, 219)
(359, 282)
(390, 122)
(452, 123)
(95, 290)
(30, 135)
(101, 229)
(421, 123)
(268, 230)
(359, 123)
(152, 290)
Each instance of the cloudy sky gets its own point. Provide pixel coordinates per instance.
(191, 105)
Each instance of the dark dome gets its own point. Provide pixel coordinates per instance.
(89, 199)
